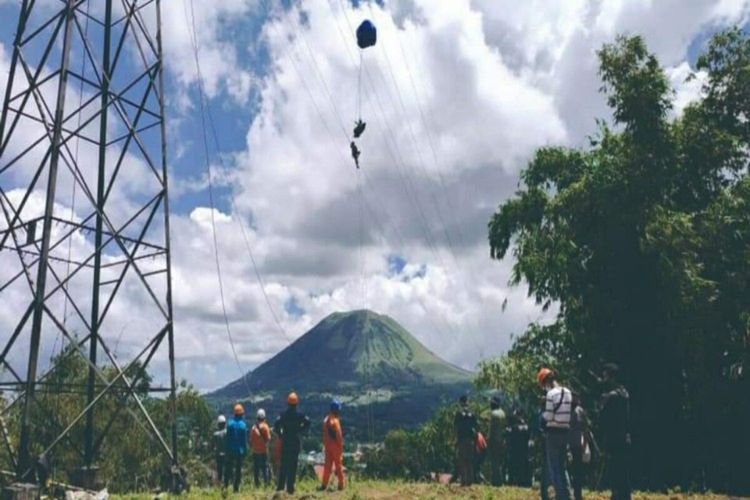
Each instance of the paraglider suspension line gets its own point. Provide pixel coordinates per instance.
(359, 88)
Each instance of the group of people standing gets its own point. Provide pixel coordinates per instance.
(567, 439)
(564, 425)
(233, 439)
(506, 445)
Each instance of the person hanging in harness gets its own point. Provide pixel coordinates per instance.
(291, 426)
(466, 427)
(359, 128)
(355, 153)
(260, 435)
(236, 447)
(333, 445)
(219, 446)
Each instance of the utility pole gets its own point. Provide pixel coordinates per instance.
(83, 111)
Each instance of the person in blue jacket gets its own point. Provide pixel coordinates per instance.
(236, 447)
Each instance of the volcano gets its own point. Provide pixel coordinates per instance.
(369, 361)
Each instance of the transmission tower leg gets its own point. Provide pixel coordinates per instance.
(25, 468)
(179, 481)
(89, 472)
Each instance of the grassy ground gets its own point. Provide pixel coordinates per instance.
(382, 490)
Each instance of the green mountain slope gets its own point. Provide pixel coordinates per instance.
(368, 360)
(346, 350)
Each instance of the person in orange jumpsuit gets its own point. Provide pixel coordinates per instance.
(333, 444)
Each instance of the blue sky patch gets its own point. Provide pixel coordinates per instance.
(396, 264)
(292, 307)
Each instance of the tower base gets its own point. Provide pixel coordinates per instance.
(21, 491)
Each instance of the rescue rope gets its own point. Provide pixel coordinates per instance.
(429, 128)
(205, 110)
(359, 88)
(75, 182)
(201, 97)
(396, 232)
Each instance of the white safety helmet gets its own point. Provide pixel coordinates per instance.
(221, 420)
(261, 414)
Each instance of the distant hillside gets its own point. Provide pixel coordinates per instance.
(381, 372)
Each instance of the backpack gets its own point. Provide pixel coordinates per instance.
(481, 443)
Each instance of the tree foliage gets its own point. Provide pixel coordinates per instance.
(643, 240)
(515, 372)
(130, 457)
(414, 455)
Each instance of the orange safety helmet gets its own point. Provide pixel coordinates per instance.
(543, 374)
(292, 399)
(239, 409)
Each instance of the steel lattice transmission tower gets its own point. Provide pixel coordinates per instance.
(84, 230)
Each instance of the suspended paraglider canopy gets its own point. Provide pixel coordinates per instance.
(367, 36)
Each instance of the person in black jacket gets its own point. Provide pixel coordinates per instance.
(290, 427)
(519, 471)
(615, 429)
(466, 428)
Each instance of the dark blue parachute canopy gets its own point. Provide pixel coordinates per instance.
(367, 35)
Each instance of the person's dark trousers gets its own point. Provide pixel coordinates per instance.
(576, 470)
(619, 473)
(497, 453)
(544, 480)
(233, 470)
(260, 468)
(221, 461)
(557, 451)
(478, 462)
(525, 472)
(518, 469)
(288, 471)
(466, 461)
(518, 472)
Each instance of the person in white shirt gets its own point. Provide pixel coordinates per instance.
(557, 410)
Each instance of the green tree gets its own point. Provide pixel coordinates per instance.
(643, 240)
(515, 372)
(129, 456)
(416, 454)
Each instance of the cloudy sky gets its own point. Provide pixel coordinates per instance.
(457, 95)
